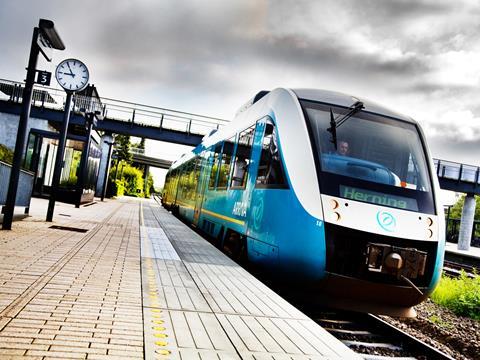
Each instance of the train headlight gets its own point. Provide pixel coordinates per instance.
(336, 216)
(429, 230)
(334, 204)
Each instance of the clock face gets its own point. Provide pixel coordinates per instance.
(72, 75)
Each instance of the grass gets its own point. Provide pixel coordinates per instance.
(6, 154)
(437, 320)
(461, 295)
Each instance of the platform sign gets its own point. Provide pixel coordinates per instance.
(43, 78)
(45, 46)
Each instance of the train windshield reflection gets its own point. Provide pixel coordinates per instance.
(371, 148)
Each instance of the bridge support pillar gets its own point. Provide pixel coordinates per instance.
(466, 224)
(104, 166)
(145, 181)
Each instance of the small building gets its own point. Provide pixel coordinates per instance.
(82, 152)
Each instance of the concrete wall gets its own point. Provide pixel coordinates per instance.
(9, 127)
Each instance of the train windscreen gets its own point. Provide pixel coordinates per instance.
(370, 158)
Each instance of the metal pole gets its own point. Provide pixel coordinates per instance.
(448, 220)
(107, 169)
(116, 170)
(57, 172)
(145, 183)
(21, 133)
(84, 160)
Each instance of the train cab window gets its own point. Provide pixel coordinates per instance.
(224, 170)
(242, 158)
(213, 173)
(270, 168)
(377, 159)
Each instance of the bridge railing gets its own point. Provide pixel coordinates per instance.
(455, 171)
(134, 113)
(137, 151)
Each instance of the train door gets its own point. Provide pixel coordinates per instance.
(201, 166)
(267, 197)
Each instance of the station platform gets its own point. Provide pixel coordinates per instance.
(473, 252)
(125, 278)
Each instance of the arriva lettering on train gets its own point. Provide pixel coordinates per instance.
(374, 197)
(240, 209)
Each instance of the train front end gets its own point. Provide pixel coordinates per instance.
(384, 234)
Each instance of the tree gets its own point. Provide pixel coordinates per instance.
(456, 211)
(141, 144)
(122, 145)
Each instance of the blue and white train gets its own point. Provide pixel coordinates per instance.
(324, 189)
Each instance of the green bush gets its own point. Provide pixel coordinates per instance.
(461, 295)
(133, 178)
(129, 181)
(6, 155)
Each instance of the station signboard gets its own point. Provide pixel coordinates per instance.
(43, 78)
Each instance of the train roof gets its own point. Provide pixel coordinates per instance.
(338, 98)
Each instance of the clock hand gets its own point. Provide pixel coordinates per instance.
(71, 72)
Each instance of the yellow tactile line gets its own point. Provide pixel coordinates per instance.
(160, 337)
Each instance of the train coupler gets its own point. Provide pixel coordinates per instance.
(397, 261)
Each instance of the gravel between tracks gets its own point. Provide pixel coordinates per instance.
(439, 327)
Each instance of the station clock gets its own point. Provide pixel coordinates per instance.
(72, 75)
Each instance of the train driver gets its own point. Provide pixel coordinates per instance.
(342, 148)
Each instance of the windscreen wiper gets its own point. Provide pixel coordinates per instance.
(335, 123)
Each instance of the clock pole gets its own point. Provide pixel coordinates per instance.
(59, 159)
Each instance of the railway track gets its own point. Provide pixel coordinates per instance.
(373, 338)
(454, 269)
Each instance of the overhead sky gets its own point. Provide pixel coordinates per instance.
(421, 58)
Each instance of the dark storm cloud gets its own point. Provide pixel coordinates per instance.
(429, 88)
(205, 50)
(380, 11)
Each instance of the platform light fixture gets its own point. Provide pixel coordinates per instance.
(45, 38)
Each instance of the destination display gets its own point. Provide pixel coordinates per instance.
(377, 198)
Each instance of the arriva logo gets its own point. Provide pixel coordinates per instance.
(386, 221)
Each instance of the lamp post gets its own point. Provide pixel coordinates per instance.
(45, 38)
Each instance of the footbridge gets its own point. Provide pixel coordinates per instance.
(458, 177)
(139, 157)
(114, 116)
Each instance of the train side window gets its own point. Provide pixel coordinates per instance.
(270, 168)
(213, 173)
(242, 158)
(224, 170)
